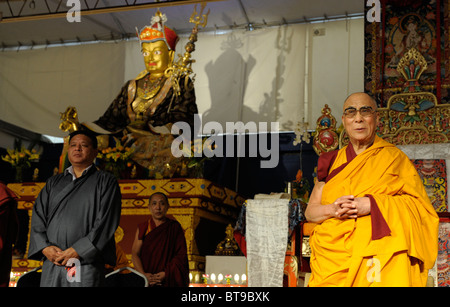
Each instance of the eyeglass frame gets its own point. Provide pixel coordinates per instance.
(372, 111)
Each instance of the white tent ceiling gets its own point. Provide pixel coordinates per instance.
(25, 23)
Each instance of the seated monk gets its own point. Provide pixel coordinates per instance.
(148, 106)
(376, 225)
(159, 249)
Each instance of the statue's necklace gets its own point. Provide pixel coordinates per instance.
(150, 88)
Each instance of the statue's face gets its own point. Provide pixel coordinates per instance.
(157, 57)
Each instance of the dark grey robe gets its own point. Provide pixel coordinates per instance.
(84, 214)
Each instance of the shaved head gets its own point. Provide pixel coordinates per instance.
(360, 96)
(360, 120)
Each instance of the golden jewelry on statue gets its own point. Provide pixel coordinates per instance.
(140, 106)
(146, 93)
(150, 87)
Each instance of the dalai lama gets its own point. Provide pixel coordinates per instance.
(376, 225)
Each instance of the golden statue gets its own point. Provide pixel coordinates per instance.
(143, 113)
(228, 246)
(69, 120)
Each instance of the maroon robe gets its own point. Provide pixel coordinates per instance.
(164, 250)
(8, 232)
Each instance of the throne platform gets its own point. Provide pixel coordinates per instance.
(203, 208)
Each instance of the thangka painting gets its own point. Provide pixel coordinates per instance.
(443, 259)
(406, 24)
(434, 177)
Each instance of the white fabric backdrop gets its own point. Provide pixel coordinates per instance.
(240, 76)
(36, 85)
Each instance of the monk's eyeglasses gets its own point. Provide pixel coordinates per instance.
(364, 111)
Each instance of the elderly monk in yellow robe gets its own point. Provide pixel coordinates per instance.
(376, 225)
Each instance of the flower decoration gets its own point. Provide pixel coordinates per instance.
(301, 133)
(228, 278)
(20, 158)
(301, 187)
(205, 278)
(196, 155)
(116, 159)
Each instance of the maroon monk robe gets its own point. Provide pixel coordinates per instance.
(8, 232)
(164, 250)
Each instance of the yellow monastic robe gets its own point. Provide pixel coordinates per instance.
(344, 252)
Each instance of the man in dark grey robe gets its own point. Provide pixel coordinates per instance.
(74, 219)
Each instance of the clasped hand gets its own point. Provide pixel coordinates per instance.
(348, 206)
(58, 256)
(155, 279)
